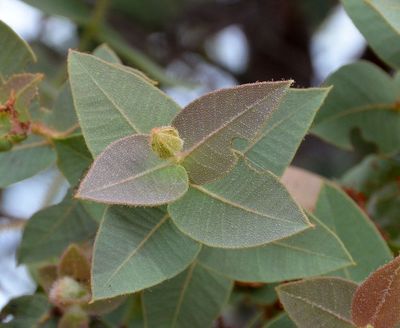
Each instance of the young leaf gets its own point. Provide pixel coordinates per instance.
(318, 302)
(376, 300)
(128, 172)
(385, 15)
(51, 230)
(15, 53)
(112, 102)
(245, 208)
(74, 264)
(364, 97)
(25, 160)
(312, 252)
(193, 298)
(25, 311)
(355, 229)
(274, 148)
(209, 125)
(73, 157)
(46, 276)
(136, 248)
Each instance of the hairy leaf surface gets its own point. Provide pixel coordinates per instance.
(193, 298)
(245, 208)
(136, 248)
(209, 125)
(128, 172)
(319, 302)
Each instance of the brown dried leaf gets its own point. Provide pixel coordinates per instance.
(209, 125)
(377, 300)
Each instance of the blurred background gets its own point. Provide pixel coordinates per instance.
(191, 47)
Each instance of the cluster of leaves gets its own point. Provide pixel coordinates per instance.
(174, 212)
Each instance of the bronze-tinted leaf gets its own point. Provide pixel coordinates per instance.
(377, 300)
(209, 125)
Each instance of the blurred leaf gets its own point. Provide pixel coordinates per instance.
(243, 209)
(104, 52)
(73, 156)
(74, 317)
(274, 148)
(309, 253)
(26, 311)
(137, 248)
(281, 321)
(265, 295)
(355, 229)
(193, 298)
(128, 172)
(209, 125)
(15, 53)
(129, 103)
(25, 160)
(363, 97)
(74, 264)
(372, 173)
(75, 10)
(46, 276)
(318, 302)
(383, 35)
(376, 300)
(51, 230)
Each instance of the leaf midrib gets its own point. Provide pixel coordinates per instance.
(138, 247)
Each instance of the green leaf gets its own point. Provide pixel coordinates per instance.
(136, 248)
(245, 208)
(355, 229)
(364, 97)
(274, 148)
(209, 125)
(112, 102)
(128, 172)
(379, 22)
(73, 157)
(51, 230)
(376, 300)
(75, 264)
(193, 298)
(25, 160)
(312, 252)
(15, 53)
(281, 321)
(104, 52)
(26, 311)
(318, 302)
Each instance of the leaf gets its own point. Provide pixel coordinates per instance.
(112, 102)
(46, 276)
(245, 208)
(74, 317)
(312, 252)
(355, 229)
(74, 264)
(303, 186)
(15, 53)
(209, 125)
(104, 52)
(128, 172)
(51, 230)
(280, 321)
(274, 148)
(376, 300)
(25, 160)
(193, 298)
(384, 34)
(73, 157)
(136, 248)
(364, 97)
(318, 302)
(26, 311)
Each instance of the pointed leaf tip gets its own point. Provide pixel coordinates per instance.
(128, 172)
